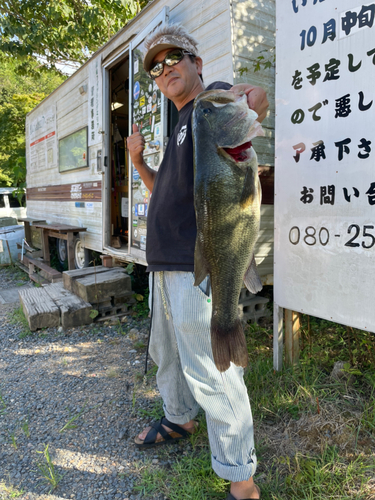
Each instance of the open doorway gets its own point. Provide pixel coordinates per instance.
(119, 169)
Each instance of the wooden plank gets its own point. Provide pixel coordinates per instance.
(277, 337)
(37, 278)
(70, 248)
(292, 336)
(39, 309)
(45, 245)
(61, 227)
(28, 222)
(27, 232)
(100, 287)
(73, 310)
(70, 276)
(50, 272)
(59, 236)
(31, 220)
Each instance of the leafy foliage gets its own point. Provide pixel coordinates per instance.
(61, 31)
(18, 96)
(266, 61)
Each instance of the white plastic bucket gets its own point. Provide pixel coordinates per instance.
(12, 235)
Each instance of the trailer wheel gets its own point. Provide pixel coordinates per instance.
(81, 254)
(62, 251)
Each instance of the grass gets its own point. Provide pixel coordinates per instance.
(48, 471)
(25, 428)
(10, 491)
(18, 318)
(113, 373)
(16, 272)
(139, 345)
(122, 329)
(155, 412)
(13, 440)
(315, 434)
(3, 406)
(69, 425)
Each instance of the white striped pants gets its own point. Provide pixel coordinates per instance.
(187, 377)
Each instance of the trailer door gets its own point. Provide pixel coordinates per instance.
(148, 110)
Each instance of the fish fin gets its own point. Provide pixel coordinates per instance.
(251, 279)
(228, 344)
(200, 266)
(249, 189)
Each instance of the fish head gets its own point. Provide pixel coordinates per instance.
(226, 117)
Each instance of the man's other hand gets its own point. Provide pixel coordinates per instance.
(256, 98)
(136, 146)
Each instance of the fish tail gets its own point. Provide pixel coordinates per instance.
(228, 344)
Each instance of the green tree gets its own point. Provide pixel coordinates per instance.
(36, 38)
(57, 32)
(18, 96)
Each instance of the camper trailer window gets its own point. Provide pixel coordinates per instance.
(73, 151)
(2, 201)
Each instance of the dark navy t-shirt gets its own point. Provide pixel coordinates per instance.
(171, 224)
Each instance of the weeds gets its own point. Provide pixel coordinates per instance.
(120, 329)
(139, 345)
(315, 435)
(18, 318)
(140, 308)
(199, 483)
(94, 313)
(25, 428)
(3, 405)
(11, 491)
(13, 439)
(156, 412)
(113, 373)
(69, 425)
(47, 469)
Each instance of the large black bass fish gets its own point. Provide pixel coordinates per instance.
(227, 197)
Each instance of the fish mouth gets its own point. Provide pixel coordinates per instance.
(243, 151)
(240, 153)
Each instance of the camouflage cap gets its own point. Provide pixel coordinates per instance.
(168, 37)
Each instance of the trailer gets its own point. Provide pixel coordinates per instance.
(78, 168)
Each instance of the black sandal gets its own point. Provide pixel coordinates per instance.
(231, 497)
(177, 434)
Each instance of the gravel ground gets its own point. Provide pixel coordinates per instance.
(93, 373)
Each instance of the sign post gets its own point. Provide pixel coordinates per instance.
(325, 152)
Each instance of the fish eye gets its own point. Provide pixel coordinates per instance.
(206, 111)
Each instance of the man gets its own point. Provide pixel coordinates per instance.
(180, 341)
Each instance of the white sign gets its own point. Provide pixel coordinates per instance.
(325, 152)
(94, 102)
(42, 141)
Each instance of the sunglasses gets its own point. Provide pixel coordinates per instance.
(171, 59)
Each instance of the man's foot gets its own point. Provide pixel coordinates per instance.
(164, 432)
(244, 490)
